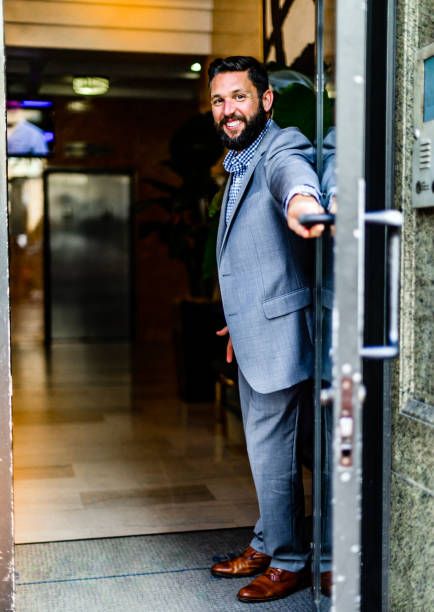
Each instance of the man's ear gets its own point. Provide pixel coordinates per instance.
(267, 100)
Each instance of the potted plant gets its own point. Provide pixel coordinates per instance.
(194, 149)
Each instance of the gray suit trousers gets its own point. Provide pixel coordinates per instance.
(271, 424)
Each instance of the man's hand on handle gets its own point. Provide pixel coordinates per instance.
(304, 205)
(229, 349)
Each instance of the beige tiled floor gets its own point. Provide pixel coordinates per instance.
(103, 447)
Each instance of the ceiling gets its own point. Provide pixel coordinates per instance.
(49, 72)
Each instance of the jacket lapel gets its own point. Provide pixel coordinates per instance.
(224, 228)
(222, 222)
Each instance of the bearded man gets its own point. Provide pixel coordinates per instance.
(265, 275)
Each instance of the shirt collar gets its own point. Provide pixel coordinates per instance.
(239, 160)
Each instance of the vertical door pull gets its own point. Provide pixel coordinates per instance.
(393, 220)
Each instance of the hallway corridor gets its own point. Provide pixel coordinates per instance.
(103, 447)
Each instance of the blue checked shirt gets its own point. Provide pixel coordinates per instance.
(237, 163)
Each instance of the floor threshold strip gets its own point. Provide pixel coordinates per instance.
(114, 576)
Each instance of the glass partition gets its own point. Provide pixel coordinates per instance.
(299, 48)
(325, 141)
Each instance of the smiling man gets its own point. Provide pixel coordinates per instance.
(265, 275)
(242, 115)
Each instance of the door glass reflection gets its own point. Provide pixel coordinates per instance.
(299, 48)
(326, 149)
(88, 215)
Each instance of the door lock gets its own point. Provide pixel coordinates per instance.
(346, 417)
(346, 423)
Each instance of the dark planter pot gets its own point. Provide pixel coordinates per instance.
(197, 347)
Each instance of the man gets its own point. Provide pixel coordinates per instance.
(265, 276)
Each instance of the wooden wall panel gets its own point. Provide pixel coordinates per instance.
(237, 28)
(197, 4)
(298, 30)
(107, 40)
(205, 27)
(106, 16)
(175, 26)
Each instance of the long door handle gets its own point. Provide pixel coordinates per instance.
(314, 219)
(393, 220)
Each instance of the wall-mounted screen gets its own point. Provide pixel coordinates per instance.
(423, 148)
(30, 128)
(428, 97)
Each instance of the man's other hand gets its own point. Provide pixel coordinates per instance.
(304, 205)
(229, 348)
(333, 210)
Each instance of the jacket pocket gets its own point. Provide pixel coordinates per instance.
(289, 302)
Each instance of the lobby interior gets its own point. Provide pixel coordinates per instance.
(119, 429)
(107, 442)
(104, 442)
(114, 355)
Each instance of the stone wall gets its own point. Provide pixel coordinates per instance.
(412, 524)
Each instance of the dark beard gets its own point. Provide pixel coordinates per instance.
(253, 127)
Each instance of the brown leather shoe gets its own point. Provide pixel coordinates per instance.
(326, 583)
(249, 563)
(274, 583)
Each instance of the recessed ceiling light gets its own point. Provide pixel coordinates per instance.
(90, 86)
(196, 67)
(78, 106)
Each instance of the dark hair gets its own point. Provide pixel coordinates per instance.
(240, 63)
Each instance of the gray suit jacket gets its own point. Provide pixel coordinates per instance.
(265, 270)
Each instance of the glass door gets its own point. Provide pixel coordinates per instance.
(343, 33)
(357, 275)
(365, 310)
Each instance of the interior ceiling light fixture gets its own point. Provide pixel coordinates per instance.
(78, 106)
(90, 86)
(196, 67)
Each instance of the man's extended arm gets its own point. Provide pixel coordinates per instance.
(293, 180)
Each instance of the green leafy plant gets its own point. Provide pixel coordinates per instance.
(295, 102)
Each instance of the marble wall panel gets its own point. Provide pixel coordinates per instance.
(412, 547)
(412, 505)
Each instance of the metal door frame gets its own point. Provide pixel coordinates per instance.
(379, 170)
(7, 576)
(365, 37)
(348, 306)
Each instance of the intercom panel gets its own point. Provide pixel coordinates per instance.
(423, 163)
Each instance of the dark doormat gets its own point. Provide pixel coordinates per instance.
(153, 573)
